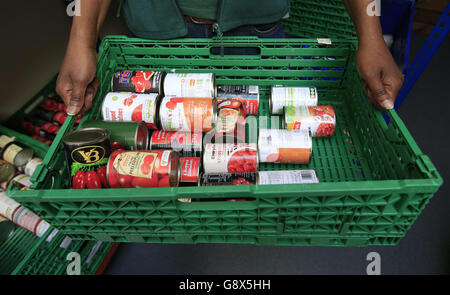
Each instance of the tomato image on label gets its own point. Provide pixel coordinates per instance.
(243, 161)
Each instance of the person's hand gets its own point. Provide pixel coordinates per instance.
(380, 75)
(77, 83)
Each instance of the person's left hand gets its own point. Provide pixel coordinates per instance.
(380, 75)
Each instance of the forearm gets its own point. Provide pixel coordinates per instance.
(368, 27)
(86, 26)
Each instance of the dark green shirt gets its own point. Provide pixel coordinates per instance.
(199, 8)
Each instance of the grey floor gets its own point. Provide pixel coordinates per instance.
(424, 250)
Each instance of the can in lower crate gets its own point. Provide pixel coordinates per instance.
(131, 107)
(187, 144)
(17, 154)
(189, 171)
(190, 85)
(7, 205)
(319, 121)
(4, 140)
(188, 114)
(138, 81)
(282, 146)
(248, 95)
(139, 169)
(291, 97)
(230, 158)
(29, 221)
(32, 165)
(243, 178)
(128, 135)
(230, 126)
(287, 177)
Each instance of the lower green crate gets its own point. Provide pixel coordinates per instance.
(374, 180)
(25, 254)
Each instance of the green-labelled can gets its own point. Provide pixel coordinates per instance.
(128, 135)
(6, 228)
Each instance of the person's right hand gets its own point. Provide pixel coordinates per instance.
(77, 83)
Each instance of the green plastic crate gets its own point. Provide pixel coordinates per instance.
(374, 180)
(318, 19)
(26, 254)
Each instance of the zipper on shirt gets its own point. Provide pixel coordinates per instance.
(218, 30)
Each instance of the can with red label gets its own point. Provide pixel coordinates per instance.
(243, 178)
(139, 169)
(230, 126)
(248, 95)
(189, 171)
(190, 85)
(187, 144)
(291, 97)
(188, 114)
(230, 158)
(17, 154)
(319, 121)
(30, 221)
(138, 81)
(131, 107)
(282, 146)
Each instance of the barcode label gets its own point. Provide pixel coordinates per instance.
(253, 89)
(308, 176)
(324, 41)
(288, 177)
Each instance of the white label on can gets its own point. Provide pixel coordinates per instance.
(216, 158)
(292, 96)
(309, 123)
(23, 179)
(4, 140)
(129, 107)
(165, 158)
(189, 85)
(65, 243)
(11, 152)
(287, 177)
(173, 118)
(93, 252)
(32, 165)
(42, 228)
(52, 235)
(7, 205)
(271, 140)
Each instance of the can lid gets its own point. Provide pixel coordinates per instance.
(214, 85)
(86, 136)
(214, 113)
(141, 136)
(6, 171)
(174, 169)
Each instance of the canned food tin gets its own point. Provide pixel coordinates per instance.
(248, 95)
(42, 228)
(287, 177)
(32, 165)
(155, 168)
(319, 121)
(6, 229)
(17, 154)
(291, 97)
(131, 107)
(7, 205)
(6, 171)
(4, 185)
(188, 114)
(189, 171)
(230, 158)
(282, 146)
(128, 135)
(187, 144)
(243, 178)
(26, 219)
(137, 81)
(4, 140)
(230, 127)
(87, 150)
(23, 180)
(190, 85)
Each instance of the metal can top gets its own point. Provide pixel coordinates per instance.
(6, 171)
(214, 113)
(86, 136)
(174, 174)
(141, 137)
